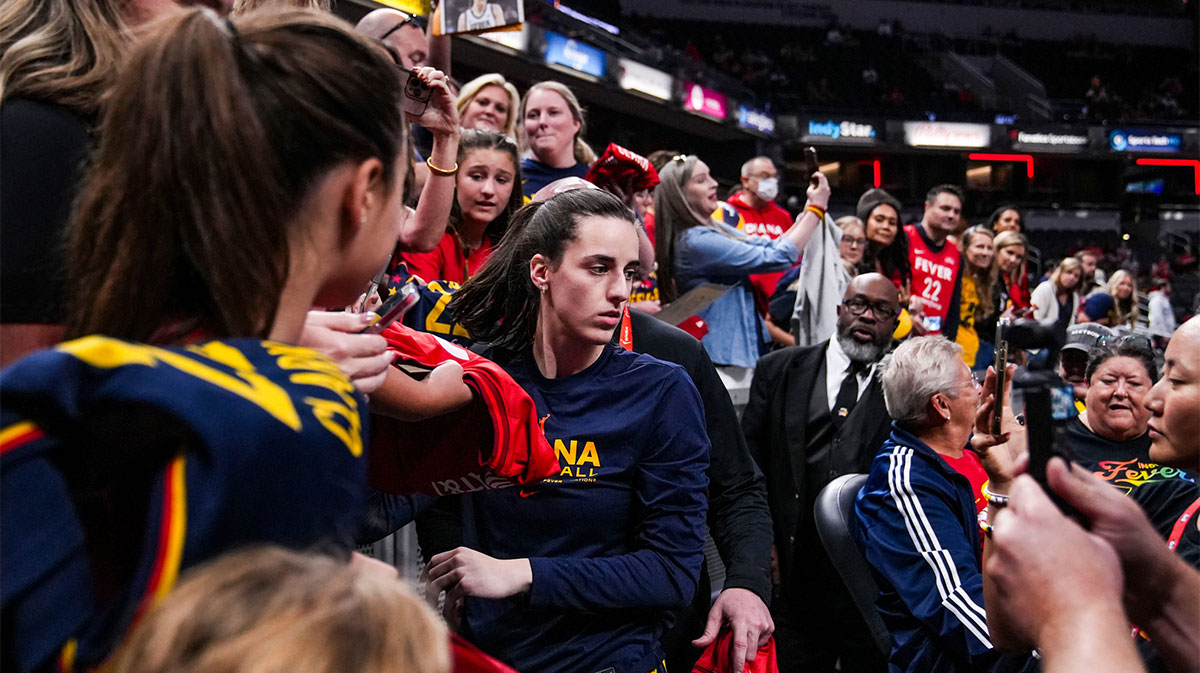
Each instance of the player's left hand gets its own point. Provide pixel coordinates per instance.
(744, 613)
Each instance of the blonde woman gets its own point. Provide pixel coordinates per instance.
(489, 102)
(1057, 299)
(269, 610)
(1123, 289)
(1010, 267)
(553, 127)
(978, 304)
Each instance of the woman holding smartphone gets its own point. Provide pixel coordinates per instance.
(579, 572)
(693, 248)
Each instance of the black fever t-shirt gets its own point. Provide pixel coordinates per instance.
(1164, 493)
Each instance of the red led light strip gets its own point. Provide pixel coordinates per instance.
(1193, 163)
(1027, 158)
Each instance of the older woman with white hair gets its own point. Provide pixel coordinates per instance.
(919, 510)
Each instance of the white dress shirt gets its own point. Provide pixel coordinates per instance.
(836, 364)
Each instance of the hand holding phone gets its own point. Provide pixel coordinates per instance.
(811, 165)
(1001, 375)
(394, 308)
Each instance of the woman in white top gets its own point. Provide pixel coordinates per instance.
(1057, 299)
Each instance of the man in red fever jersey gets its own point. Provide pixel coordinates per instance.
(761, 216)
(936, 264)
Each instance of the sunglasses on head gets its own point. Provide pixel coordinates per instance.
(408, 18)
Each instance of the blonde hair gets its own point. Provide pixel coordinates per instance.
(61, 51)
(583, 152)
(984, 277)
(1129, 311)
(1067, 264)
(240, 7)
(470, 89)
(270, 610)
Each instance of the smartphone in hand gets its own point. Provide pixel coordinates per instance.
(394, 308)
(811, 165)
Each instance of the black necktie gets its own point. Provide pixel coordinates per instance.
(848, 394)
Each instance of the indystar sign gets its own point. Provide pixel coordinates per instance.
(838, 131)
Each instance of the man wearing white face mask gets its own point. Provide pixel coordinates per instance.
(761, 216)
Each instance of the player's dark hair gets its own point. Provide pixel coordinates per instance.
(214, 136)
(500, 303)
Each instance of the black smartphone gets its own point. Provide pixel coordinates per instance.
(811, 164)
(394, 308)
(1001, 375)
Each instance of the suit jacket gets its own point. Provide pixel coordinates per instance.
(774, 423)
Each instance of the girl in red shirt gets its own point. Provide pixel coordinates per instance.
(484, 199)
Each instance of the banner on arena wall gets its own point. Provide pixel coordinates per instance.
(634, 76)
(704, 101)
(573, 54)
(947, 134)
(417, 7)
(517, 40)
(839, 131)
(1051, 140)
(1144, 140)
(755, 119)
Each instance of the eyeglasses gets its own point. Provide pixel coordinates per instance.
(852, 241)
(416, 92)
(881, 309)
(408, 18)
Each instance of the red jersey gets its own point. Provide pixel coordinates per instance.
(971, 467)
(770, 221)
(934, 274)
(448, 261)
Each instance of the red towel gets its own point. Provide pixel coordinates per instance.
(618, 166)
(470, 659)
(716, 657)
(493, 442)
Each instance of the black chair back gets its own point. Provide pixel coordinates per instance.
(834, 516)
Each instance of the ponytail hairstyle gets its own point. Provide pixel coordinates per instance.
(583, 152)
(984, 277)
(500, 303)
(214, 136)
(673, 215)
(61, 51)
(471, 140)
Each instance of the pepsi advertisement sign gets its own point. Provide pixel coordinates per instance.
(562, 50)
(1144, 140)
(838, 131)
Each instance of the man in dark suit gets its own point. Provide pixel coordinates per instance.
(816, 413)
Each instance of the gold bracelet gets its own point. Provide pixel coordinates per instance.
(816, 210)
(444, 172)
(997, 499)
